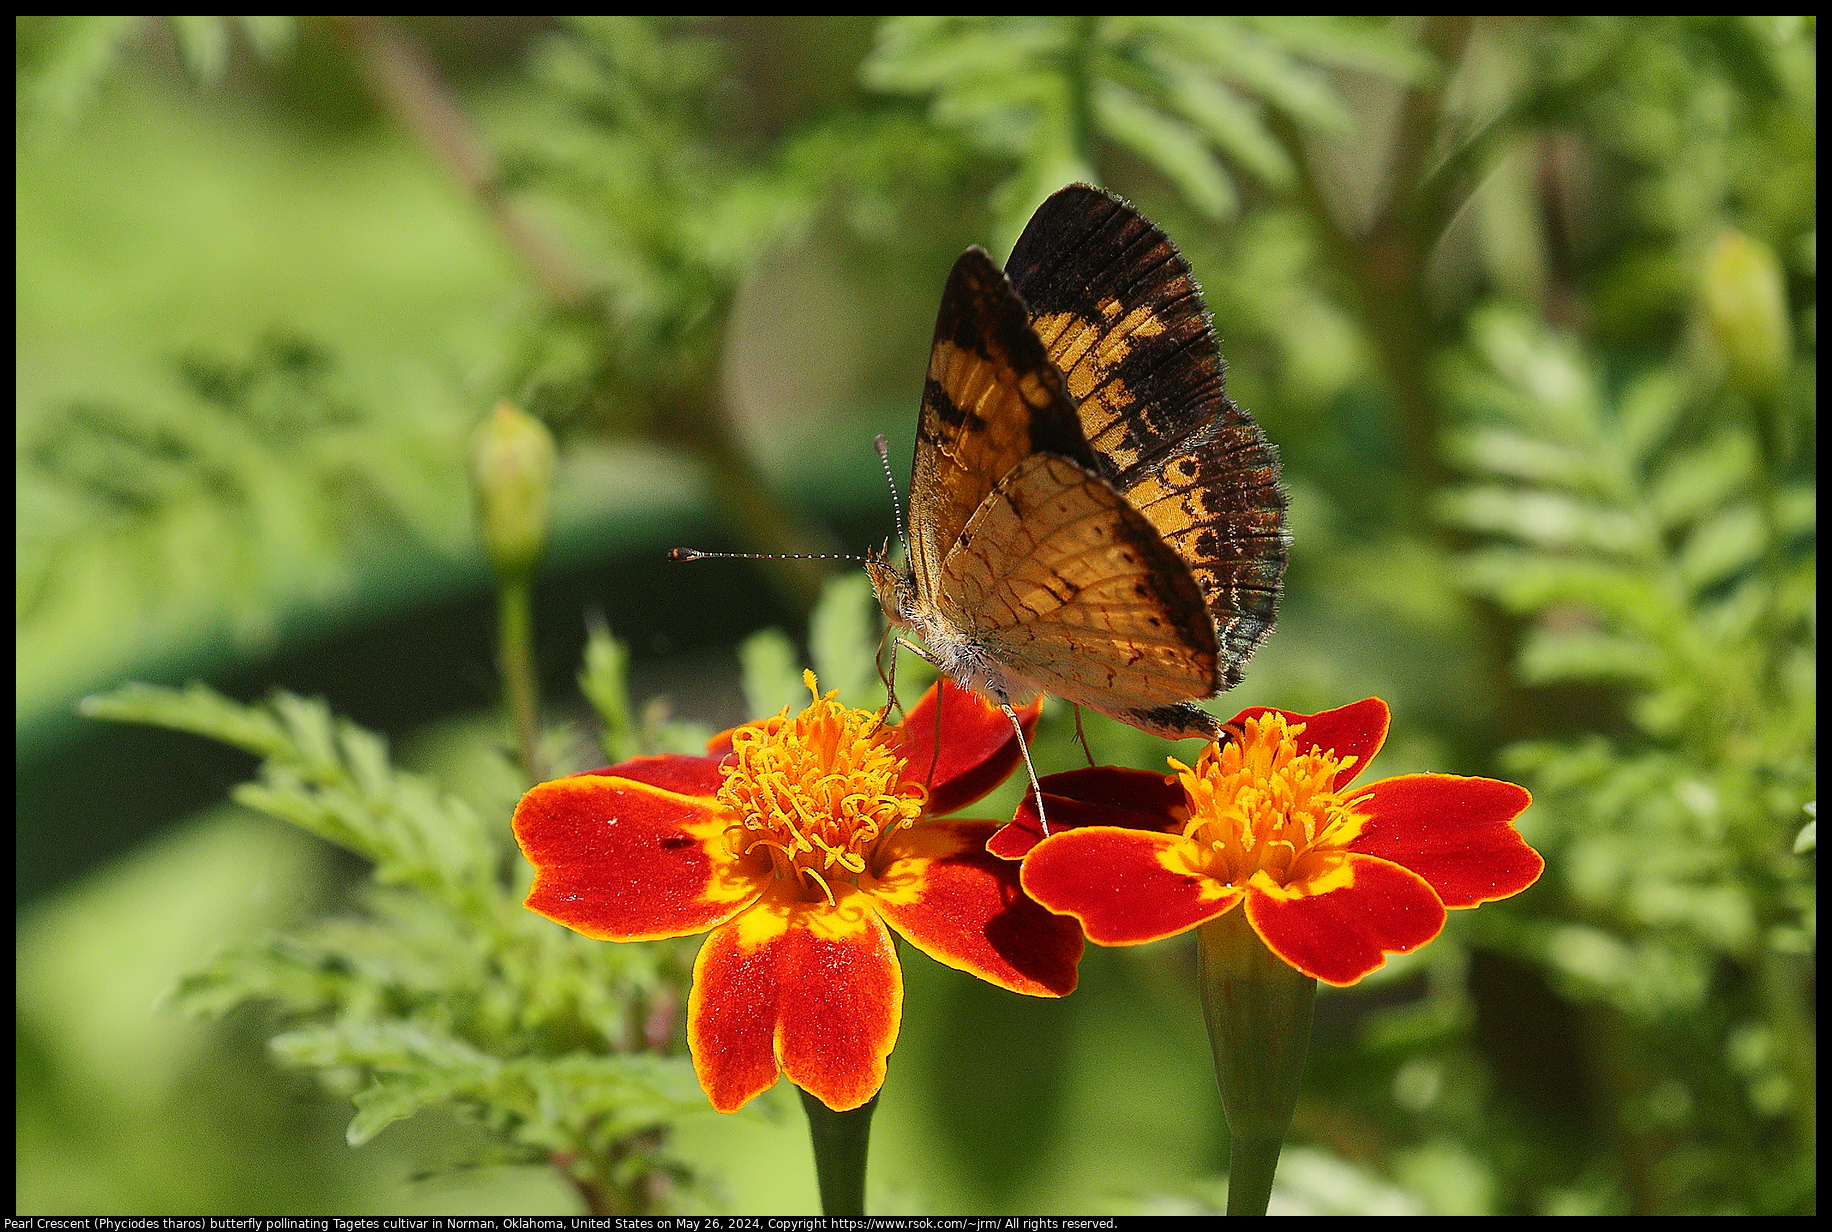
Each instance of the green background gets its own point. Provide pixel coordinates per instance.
(1456, 267)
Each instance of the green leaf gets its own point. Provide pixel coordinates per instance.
(1666, 711)
(1560, 396)
(606, 1097)
(917, 54)
(1733, 620)
(204, 43)
(1558, 766)
(382, 1104)
(1170, 145)
(1246, 58)
(1230, 121)
(333, 780)
(1173, 90)
(60, 60)
(1646, 977)
(1692, 482)
(410, 1068)
(1548, 519)
(1723, 545)
(1379, 46)
(1647, 411)
(1548, 655)
(196, 709)
(604, 680)
(1501, 451)
(201, 509)
(1797, 508)
(269, 35)
(1523, 580)
(277, 969)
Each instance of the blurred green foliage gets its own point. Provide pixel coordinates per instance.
(1528, 304)
(443, 992)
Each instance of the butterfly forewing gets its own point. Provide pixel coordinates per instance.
(992, 399)
(1121, 316)
(1119, 313)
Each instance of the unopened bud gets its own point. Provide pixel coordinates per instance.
(512, 463)
(1745, 302)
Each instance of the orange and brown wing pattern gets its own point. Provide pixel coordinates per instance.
(992, 399)
(1059, 578)
(1121, 316)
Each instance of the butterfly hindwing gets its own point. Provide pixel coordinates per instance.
(1121, 316)
(1063, 581)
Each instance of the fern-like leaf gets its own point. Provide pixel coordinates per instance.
(1187, 95)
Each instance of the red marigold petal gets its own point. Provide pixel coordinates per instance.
(683, 775)
(1357, 729)
(625, 860)
(1369, 909)
(1125, 886)
(978, 746)
(810, 989)
(1456, 833)
(965, 909)
(1093, 796)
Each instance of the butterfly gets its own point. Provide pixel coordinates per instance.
(1090, 516)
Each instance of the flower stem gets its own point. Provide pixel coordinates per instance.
(515, 660)
(1258, 1010)
(840, 1143)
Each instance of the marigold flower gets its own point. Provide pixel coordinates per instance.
(796, 841)
(1332, 879)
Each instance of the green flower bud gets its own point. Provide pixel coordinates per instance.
(1745, 302)
(512, 464)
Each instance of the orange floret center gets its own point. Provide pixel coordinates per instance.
(816, 795)
(1256, 804)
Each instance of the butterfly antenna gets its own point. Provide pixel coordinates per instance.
(884, 460)
(696, 554)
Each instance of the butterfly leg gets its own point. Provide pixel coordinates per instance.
(916, 650)
(1082, 735)
(1023, 745)
(889, 678)
(1024, 748)
(890, 684)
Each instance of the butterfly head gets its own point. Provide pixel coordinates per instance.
(894, 586)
